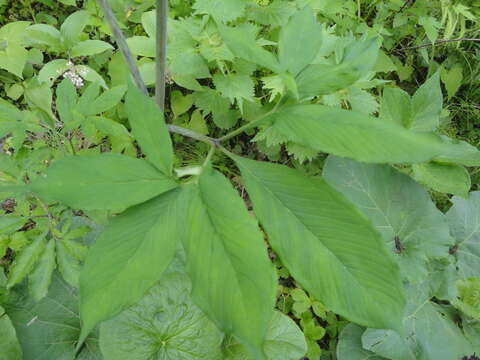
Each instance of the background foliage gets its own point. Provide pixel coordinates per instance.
(62, 85)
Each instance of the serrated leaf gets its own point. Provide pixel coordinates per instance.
(49, 329)
(167, 313)
(233, 278)
(364, 138)
(11, 349)
(464, 220)
(446, 178)
(398, 207)
(244, 46)
(41, 277)
(235, 87)
(26, 260)
(297, 45)
(128, 258)
(274, 14)
(352, 275)
(468, 298)
(89, 48)
(180, 103)
(222, 11)
(95, 182)
(149, 128)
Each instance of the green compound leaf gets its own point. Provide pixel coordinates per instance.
(149, 128)
(284, 341)
(327, 245)
(10, 348)
(464, 220)
(100, 182)
(413, 228)
(41, 277)
(49, 329)
(165, 324)
(233, 278)
(128, 258)
(223, 10)
(364, 138)
(299, 43)
(244, 46)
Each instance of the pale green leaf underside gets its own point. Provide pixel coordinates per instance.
(446, 178)
(327, 245)
(464, 220)
(165, 324)
(364, 138)
(106, 181)
(397, 206)
(350, 345)
(128, 258)
(233, 278)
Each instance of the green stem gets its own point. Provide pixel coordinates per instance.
(161, 52)
(208, 160)
(251, 124)
(122, 44)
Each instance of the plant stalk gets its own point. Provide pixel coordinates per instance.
(161, 52)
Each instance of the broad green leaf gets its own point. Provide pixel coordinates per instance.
(233, 278)
(148, 126)
(350, 345)
(284, 341)
(66, 99)
(14, 31)
(244, 46)
(324, 79)
(361, 101)
(222, 11)
(49, 329)
(362, 55)
(427, 105)
(452, 79)
(398, 207)
(180, 103)
(13, 59)
(26, 260)
(165, 324)
(40, 96)
(91, 93)
(11, 223)
(396, 107)
(299, 41)
(431, 26)
(328, 246)
(108, 100)
(389, 344)
(68, 265)
(430, 333)
(73, 26)
(446, 178)
(464, 220)
(45, 35)
(106, 181)
(364, 138)
(468, 299)
(10, 348)
(90, 75)
(41, 277)
(275, 14)
(52, 70)
(142, 46)
(128, 258)
(89, 48)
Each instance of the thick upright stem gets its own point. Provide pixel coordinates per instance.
(161, 52)
(123, 46)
